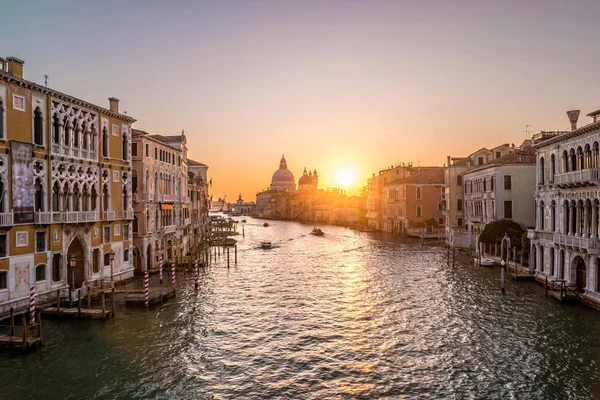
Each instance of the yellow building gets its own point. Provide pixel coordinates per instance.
(65, 190)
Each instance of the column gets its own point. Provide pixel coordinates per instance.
(556, 260)
(577, 220)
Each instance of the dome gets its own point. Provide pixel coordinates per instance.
(283, 179)
(305, 180)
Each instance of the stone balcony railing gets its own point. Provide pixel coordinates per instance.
(592, 245)
(73, 217)
(128, 214)
(584, 177)
(6, 219)
(69, 151)
(108, 215)
(475, 218)
(42, 217)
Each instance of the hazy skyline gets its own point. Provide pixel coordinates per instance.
(331, 85)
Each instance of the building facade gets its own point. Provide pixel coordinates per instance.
(66, 195)
(454, 215)
(565, 243)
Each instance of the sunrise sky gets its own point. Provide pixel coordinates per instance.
(331, 84)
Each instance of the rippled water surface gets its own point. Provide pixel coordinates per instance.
(347, 315)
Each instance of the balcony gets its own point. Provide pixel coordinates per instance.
(6, 219)
(43, 217)
(72, 217)
(128, 214)
(581, 178)
(475, 218)
(592, 245)
(108, 215)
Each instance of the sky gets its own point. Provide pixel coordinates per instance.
(333, 85)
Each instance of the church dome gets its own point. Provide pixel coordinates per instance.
(283, 179)
(305, 180)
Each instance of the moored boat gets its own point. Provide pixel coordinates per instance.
(266, 245)
(317, 232)
(486, 262)
(266, 224)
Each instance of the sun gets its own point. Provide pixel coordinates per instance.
(345, 177)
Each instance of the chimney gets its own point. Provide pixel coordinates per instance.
(114, 104)
(573, 117)
(15, 66)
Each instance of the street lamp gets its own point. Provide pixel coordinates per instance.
(73, 264)
(111, 257)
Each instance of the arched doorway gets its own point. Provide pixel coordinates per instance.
(76, 275)
(580, 277)
(137, 259)
(149, 257)
(561, 265)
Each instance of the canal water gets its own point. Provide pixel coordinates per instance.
(347, 315)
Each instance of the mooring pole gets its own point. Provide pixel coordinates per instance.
(113, 300)
(228, 257)
(12, 321)
(79, 303)
(103, 299)
(235, 253)
(243, 232)
(502, 276)
(453, 256)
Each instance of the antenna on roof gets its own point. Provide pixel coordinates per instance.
(527, 131)
(46, 80)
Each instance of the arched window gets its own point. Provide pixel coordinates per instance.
(66, 132)
(419, 210)
(148, 227)
(38, 195)
(105, 198)
(125, 198)
(94, 199)
(104, 142)
(85, 199)
(55, 129)
(38, 127)
(553, 216)
(573, 160)
(541, 171)
(76, 133)
(135, 224)
(541, 215)
(552, 260)
(94, 139)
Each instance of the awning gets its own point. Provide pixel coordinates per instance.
(166, 206)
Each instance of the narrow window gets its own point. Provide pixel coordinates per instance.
(107, 234)
(126, 232)
(3, 280)
(134, 149)
(147, 150)
(418, 193)
(40, 273)
(96, 261)
(38, 127)
(56, 258)
(480, 160)
(40, 242)
(459, 205)
(459, 180)
(459, 222)
(3, 245)
(507, 182)
(125, 148)
(104, 142)
(126, 255)
(419, 211)
(55, 129)
(107, 260)
(508, 209)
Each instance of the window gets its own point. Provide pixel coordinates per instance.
(107, 234)
(156, 153)
(126, 255)
(104, 142)
(38, 127)
(418, 193)
(479, 160)
(40, 242)
(134, 149)
(3, 245)
(508, 209)
(56, 258)
(2, 136)
(459, 205)
(125, 147)
(126, 232)
(135, 224)
(96, 261)
(492, 184)
(459, 222)
(40, 273)
(419, 211)
(117, 230)
(147, 150)
(459, 180)
(441, 221)
(507, 182)
(107, 259)
(3, 280)
(485, 184)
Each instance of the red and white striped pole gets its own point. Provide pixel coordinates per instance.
(146, 289)
(173, 276)
(196, 275)
(160, 269)
(32, 304)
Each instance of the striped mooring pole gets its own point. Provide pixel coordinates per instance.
(173, 276)
(146, 289)
(160, 269)
(196, 275)
(32, 304)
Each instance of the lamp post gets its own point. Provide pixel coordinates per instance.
(111, 257)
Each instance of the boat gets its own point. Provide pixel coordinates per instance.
(243, 221)
(229, 242)
(266, 245)
(317, 232)
(486, 262)
(265, 224)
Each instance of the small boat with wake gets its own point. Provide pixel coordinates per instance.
(317, 232)
(486, 262)
(266, 224)
(266, 245)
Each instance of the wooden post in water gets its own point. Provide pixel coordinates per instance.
(40, 326)
(243, 232)
(470, 253)
(546, 286)
(12, 321)
(79, 303)
(103, 304)
(235, 254)
(113, 300)
(24, 333)
(228, 257)
(453, 256)
(58, 302)
(503, 265)
(89, 296)
(448, 255)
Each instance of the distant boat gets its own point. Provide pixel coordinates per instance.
(486, 262)
(265, 224)
(266, 245)
(229, 242)
(317, 232)
(244, 221)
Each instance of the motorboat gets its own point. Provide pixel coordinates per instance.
(266, 224)
(486, 262)
(229, 242)
(317, 232)
(243, 221)
(266, 245)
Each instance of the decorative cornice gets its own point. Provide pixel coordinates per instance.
(569, 135)
(62, 96)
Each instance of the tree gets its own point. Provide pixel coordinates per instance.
(363, 191)
(494, 232)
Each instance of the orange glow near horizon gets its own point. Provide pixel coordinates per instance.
(345, 177)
